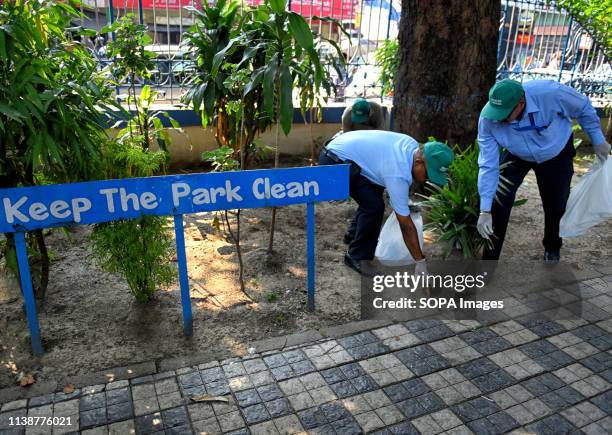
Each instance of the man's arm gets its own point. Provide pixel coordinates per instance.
(411, 237)
(488, 164)
(347, 124)
(377, 120)
(578, 106)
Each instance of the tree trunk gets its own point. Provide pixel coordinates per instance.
(448, 59)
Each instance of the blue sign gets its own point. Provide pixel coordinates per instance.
(30, 208)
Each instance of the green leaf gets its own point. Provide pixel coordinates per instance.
(10, 112)
(278, 6)
(286, 99)
(269, 83)
(300, 30)
(219, 57)
(255, 81)
(520, 202)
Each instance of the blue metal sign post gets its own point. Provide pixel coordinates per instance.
(30, 208)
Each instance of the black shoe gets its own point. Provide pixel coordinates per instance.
(551, 257)
(348, 238)
(358, 266)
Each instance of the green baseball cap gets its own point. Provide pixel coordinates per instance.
(438, 157)
(360, 112)
(503, 98)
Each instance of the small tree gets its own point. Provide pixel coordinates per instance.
(51, 104)
(140, 249)
(285, 42)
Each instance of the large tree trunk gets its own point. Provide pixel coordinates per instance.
(448, 59)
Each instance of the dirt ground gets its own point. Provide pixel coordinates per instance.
(90, 321)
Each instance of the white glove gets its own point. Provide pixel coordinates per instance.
(602, 151)
(421, 267)
(485, 225)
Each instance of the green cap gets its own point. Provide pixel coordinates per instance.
(503, 98)
(360, 112)
(438, 157)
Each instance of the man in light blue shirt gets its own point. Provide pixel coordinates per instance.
(384, 160)
(533, 122)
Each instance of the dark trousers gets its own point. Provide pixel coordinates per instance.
(553, 177)
(366, 224)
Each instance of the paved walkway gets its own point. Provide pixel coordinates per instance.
(428, 377)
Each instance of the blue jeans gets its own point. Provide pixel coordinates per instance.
(365, 227)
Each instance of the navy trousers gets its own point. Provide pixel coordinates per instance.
(553, 176)
(365, 227)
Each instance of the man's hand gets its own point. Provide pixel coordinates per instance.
(602, 151)
(420, 267)
(485, 225)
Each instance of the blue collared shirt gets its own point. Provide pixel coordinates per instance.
(538, 136)
(385, 158)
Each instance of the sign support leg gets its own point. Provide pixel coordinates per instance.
(183, 278)
(28, 292)
(310, 253)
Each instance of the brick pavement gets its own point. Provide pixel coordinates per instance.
(425, 376)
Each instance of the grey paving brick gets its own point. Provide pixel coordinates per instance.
(552, 424)
(119, 412)
(119, 395)
(200, 411)
(170, 400)
(149, 423)
(93, 401)
(389, 414)
(207, 426)
(256, 413)
(231, 421)
(175, 417)
(598, 362)
(288, 425)
(92, 417)
(521, 414)
(604, 402)
(166, 386)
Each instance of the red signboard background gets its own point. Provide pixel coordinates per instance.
(339, 9)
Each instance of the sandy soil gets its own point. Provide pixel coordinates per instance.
(90, 321)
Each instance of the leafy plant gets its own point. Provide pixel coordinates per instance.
(453, 210)
(51, 105)
(140, 249)
(221, 159)
(387, 59)
(271, 296)
(291, 59)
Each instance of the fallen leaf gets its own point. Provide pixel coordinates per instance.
(27, 380)
(209, 398)
(68, 389)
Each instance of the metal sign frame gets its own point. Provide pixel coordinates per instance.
(29, 208)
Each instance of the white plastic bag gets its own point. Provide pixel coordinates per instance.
(391, 249)
(590, 201)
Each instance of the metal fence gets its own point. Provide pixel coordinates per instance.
(536, 41)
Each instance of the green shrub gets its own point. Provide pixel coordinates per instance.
(454, 209)
(387, 59)
(139, 249)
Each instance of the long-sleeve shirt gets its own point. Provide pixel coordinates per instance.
(540, 134)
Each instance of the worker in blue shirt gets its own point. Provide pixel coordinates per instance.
(384, 160)
(533, 122)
